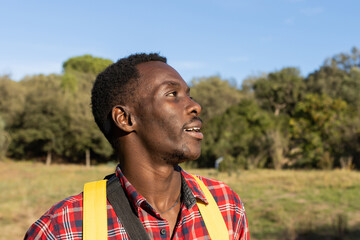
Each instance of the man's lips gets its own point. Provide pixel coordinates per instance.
(197, 135)
(194, 129)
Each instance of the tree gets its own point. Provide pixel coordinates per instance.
(339, 77)
(80, 72)
(86, 64)
(316, 129)
(346, 145)
(279, 91)
(4, 139)
(85, 137)
(327, 80)
(214, 95)
(239, 135)
(345, 61)
(278, 137)
(11, 101)
(351, 88)
(43, 122)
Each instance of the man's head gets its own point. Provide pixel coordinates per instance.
(152, 110)
(116, 85)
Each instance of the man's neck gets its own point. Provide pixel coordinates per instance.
(153, 178)
(159, 184)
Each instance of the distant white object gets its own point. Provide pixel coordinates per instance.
(218, 161)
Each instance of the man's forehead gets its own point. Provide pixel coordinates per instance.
(153, 67)
(159, 72)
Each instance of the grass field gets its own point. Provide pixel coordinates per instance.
(280, 204)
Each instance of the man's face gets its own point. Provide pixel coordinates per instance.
(168, 122)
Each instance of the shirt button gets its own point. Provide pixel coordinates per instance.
(163, 231)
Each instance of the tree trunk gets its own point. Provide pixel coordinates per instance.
(277, 112)
(346, 163)
(4, 145)
(277, 149)
(87, 157)
(48, 158)
(279, 107)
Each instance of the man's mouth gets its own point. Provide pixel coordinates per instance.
(195, 129)
(194, 132)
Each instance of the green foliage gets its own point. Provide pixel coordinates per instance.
(12, 99)
(86, 64)
(279, 141)
(214, 95)
(83, 133)
(279, 91)
(4, 139)
(345, 61)
(278, 120)
(239, 135)
(80, 72)
(44, 119)
(338, 78)
(351, 88)
(69, 82)
(315, 127)
(53, 122)
(346, 145)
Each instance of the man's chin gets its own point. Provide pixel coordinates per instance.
(181, 157)
(193, 157)
(187, 160)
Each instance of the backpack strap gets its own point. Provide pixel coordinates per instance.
(211, 215)
(94, 211)
(128, 218)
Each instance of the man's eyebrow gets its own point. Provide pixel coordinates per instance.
(173, 83)
(176, 84)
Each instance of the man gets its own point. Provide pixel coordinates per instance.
(144, 108)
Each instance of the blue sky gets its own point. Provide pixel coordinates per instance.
(233, 39)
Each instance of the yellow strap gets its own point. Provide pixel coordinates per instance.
(211, 215)
(94, 211)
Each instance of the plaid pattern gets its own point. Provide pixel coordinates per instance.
(64, 219)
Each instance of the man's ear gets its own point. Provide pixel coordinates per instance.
(123, 118)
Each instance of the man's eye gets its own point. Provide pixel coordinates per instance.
(172, 94)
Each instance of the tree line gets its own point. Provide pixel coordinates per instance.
(275, 120)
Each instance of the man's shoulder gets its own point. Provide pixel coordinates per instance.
(221, 192)
(219, 189)
(69, 204)
(229, 204)
(62, 215)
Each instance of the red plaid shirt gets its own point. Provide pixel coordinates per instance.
(64, 219)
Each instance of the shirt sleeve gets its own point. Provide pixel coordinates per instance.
(244, 230)
(41, 229)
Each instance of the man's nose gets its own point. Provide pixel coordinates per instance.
(194, 107)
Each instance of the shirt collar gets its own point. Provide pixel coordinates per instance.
(190, 190)
(135, 198)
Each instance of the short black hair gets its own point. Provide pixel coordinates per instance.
(114, 86)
